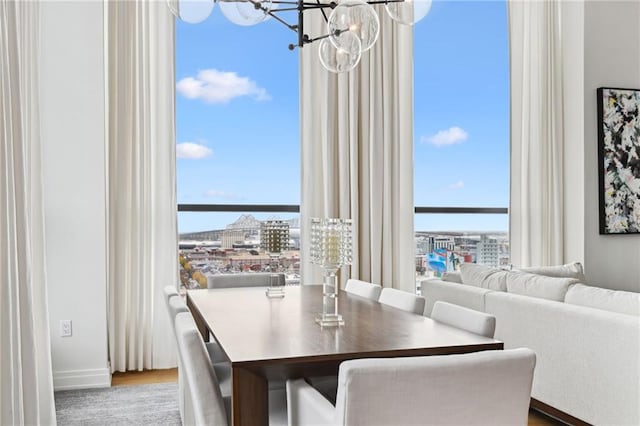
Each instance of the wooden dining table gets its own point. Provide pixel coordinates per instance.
(277, 339)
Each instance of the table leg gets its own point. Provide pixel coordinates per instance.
(250, 399)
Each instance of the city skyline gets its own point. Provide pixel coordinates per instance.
(237, 116)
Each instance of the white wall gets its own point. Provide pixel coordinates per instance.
(611, 58)
(72, 85)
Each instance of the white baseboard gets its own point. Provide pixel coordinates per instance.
(82, 379)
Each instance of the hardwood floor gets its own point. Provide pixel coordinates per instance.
(171, 375)
(144, 377)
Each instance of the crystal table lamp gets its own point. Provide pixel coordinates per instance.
(331, 248)
(274, 238)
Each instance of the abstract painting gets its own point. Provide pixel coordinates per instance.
(619, 160)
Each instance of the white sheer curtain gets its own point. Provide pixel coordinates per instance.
(26, 384)
(142, 196)
(536, 206)
(357, 153)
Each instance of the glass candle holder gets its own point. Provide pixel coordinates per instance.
(331, 248)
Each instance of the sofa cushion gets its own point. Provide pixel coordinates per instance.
(570, 270)
(452, 277)
(622, 302)
(539, 285)
(484, 276)
(456, 293)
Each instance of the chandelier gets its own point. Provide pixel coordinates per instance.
(352, 26)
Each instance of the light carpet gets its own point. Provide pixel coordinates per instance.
(155, 404)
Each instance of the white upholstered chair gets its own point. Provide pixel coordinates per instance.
(207, 404)
(169, 292)
(328, 385)
(243, 280)
(176, 305)
(480, 388)
(402, 300)
(363, 289)
(464, 318)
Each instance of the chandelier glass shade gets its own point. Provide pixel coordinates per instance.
(340, 59)
(353, 17)
(352, 27)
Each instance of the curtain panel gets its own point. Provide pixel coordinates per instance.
(26, 383)
(536, 209)
(357, 153)
(142, 236)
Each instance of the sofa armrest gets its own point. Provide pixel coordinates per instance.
(459, 294)
(588, 359)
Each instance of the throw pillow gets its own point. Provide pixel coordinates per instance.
(453, 277)
(540, 286)
(570, 270)
(622, 302)
(484, 276)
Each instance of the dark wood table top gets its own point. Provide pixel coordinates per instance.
(255, 330)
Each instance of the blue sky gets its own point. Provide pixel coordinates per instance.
(237, 115)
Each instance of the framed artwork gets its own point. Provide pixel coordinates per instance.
(619, 160)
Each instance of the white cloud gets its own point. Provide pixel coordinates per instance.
(458, 185)
(451, 136)
(193, 151)
(219, 87)
(214, 193)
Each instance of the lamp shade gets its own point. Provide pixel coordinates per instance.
(331, 242)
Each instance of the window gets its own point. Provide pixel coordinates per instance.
(237, 144)
(238, 141)
(461, 135)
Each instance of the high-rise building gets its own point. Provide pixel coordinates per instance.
(487, 251)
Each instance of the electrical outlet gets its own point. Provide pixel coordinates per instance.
(65, 328)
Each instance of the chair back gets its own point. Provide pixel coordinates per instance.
(481, 388)
(464, 318)
(402, 300)
(363, 289)
(169, 292)
(243, 280)
(207, 406)
(175, 306)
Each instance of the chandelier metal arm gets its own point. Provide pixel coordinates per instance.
(301, 7)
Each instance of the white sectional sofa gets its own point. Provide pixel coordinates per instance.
(587, 339)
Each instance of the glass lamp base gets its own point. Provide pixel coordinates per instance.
(330, 320)
(275, 292)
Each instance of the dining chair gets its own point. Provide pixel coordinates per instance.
(363, 289)
(169, 292)
(207, 405)
(327, 385)
(176, 305)
(480, 388)
(402, 300)
(243, 280)
(464, 318)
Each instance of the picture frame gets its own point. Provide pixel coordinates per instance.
(619, 160)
